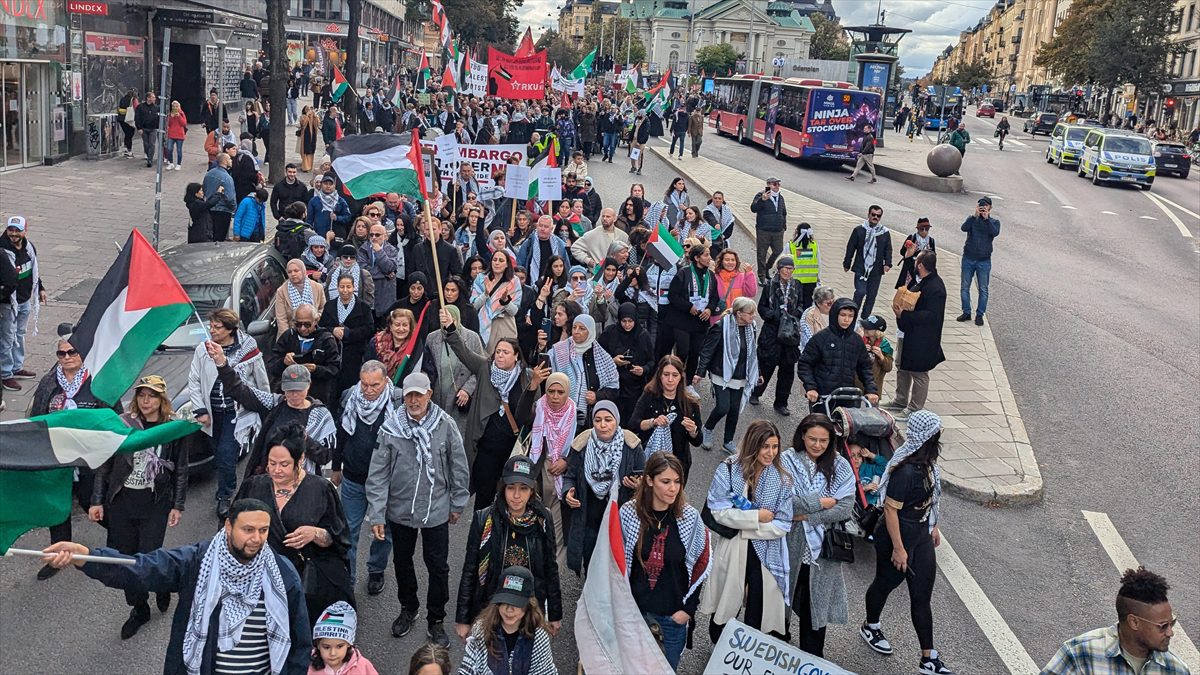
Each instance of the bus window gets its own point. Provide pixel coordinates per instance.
(764, 100)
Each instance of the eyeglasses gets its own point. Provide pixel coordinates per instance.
(302, 324)
(378, 234)
(62, 354)
(1162, 626)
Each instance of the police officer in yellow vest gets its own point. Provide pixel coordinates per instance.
(803, 249)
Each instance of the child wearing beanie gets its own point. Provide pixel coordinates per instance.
(333, 644)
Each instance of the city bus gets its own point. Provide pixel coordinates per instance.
(803, 118)
(938, 111)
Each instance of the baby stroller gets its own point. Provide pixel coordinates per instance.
(859, 423)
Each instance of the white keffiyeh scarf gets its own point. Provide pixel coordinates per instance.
(566, 358)
(503, 381)
(660, 437)
(697, 543)
(770, 493)
(871, 246)
(238, 589)
(400, 425)
(353, 271)
(70, 387)
(808, 480)
(733, 346)
(343, 311)
(300, 296)
(356, 407)
(921, 426)
(602, 461)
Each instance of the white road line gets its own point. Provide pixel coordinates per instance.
(1181, 645)
(1170, 214)
(981, 140)
(1190, 213)
(1016, 142)
(1007, 646)
(1067, 206)
(1033, 202)
(1147, 218)
(1054, 192)
(986, 194)
(1108, 213)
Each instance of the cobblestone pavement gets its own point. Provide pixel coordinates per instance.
(986, 453)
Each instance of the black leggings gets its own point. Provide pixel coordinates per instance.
(752, 611)
(812, 640)
(687, 348)
(128, 130)
(137, 523)
(922, 571)
(491, 453)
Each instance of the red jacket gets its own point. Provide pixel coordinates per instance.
(177, 126)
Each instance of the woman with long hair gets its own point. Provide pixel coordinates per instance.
(552, 426)
(401, 349)
(692, 224)
(308, 129)
(666, 417)
(630, 215)
(510, 636)
(823, 490)
(735, 279)
(806, 258)
(496, 297)
(667, 551)
(199, 209)
(176, 133)
(752, 494)
(677, 199)
(907, 535)
(602, 459)
(473, 266)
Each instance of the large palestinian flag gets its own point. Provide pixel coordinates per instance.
(38, 456)
(659, 94)
(423, 73)
(138, 303)
(547, 160)
(371, 164)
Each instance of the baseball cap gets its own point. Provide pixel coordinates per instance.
(153, 383)
(416, 383)
(516, 587)
(518, 470)
(874, 322)
(295, 378)
(16, 223)
(327, 178)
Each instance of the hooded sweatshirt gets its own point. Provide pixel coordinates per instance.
(833, 356)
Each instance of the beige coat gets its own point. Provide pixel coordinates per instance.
(723, 595)
(284, 309)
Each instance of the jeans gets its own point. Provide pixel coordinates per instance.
(435, 549)
(674, 636)
(610, 143)
(148, 144)
(865, 291)
(12, 337)
(225, 453)
(292, 113)
(727, 404)
(175, 150)
(676, 138)
(354, 503)
(982, 271)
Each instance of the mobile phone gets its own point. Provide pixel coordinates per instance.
(547, 324)
(544, 359)
(636, 474)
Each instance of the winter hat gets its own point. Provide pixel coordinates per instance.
(338, 621)
(784, 261)
(317, 240)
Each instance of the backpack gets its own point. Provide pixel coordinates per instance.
(291, 238)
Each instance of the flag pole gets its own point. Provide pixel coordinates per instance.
(437, 270)
(74, 556)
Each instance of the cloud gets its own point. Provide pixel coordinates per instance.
(538, 14)
(935, 24)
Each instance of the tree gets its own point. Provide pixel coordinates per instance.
(349, 102)
(717, 59)
(277, 53)
(829, 41)
(1066, 56)
(627, 41)
(559, 49)
(971, 75)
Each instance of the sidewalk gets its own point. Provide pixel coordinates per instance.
(986, 453)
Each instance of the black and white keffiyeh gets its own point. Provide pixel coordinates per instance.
(566, 358)
(602, 461)
(772, 492)
(660, 437)
(808, 480)
(343, 310)
(238, 589)
(503, 381)
(732, 334)
(356, 407)
(871, 245)
(400, 425)
(300, 296)
(697, 543)
(70, 387)
(337, 271)
(921, 426)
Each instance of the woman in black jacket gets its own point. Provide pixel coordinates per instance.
(782, 295)
(352, 323)
(666, 418)
(140, 494)
(198, 206)
(629, 345)
(515, 530)
(914, 243)
(691, 300)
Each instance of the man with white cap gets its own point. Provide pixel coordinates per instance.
(418, 484)
(18, 302)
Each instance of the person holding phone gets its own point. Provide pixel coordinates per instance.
(633, 353)
(312, 346)
(770, 221)
(981, 229)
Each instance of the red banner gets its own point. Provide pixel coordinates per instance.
(515, 77)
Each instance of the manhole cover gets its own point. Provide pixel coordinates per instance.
(80, 293)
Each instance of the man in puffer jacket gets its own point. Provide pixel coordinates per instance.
(834, 355)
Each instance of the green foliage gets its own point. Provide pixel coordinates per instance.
(559, 49)
(971, 75)
(717, 59)
(829, 41)
(619, 28)
(475, 22)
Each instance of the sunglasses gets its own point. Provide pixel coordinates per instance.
(302, 324)
(375, 235)
(62, 354)
(1161, 626)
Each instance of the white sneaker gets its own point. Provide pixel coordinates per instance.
(708, 440)
(170, 166)
(178, 167)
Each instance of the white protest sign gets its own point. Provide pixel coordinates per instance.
(549, 180)
(447, 148)
(559, 82)
(745, 651)
(485, 159)
(516, 182)
(476, 79)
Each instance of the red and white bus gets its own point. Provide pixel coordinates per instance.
(809, 119)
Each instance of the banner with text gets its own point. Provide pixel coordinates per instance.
(485, 159)
(560, 82)
(476, 83)
(743, 650)
(515, 77)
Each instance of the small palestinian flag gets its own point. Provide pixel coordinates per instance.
(39, 455)
(138, 303)
(371, 164)
(340, 85)
(631, 80)
(659, 94)
(423, 72)
(448, 79)
(663, 248)
(396, 95)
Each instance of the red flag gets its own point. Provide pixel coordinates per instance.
(526, 47)
(566, 101)
(448, 79)
(414, 157)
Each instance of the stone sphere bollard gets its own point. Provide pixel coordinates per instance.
(943, 160)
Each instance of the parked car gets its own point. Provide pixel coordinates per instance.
(242, 276)
(986, 110)
(1117, 156)
(1041, 123)
(1173, 158)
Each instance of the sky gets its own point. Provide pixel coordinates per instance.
(934, 23)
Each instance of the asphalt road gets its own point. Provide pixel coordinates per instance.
(1078, 356)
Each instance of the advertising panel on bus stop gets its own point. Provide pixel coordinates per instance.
(836, 121)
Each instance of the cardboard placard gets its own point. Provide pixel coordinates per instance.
(745, 651)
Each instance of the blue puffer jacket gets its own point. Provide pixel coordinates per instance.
(250, 221)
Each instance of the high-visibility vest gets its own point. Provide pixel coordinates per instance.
(807, 269)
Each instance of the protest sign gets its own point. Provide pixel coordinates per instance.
(745, 651)
(559, 82)
(476, 80)
(515, 77)
(549, 183)
(447, 148)
(485, 159)
(516, 181)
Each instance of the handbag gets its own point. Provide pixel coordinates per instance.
(838, 544)
(710, 521)
(788, 334)
(867, 517)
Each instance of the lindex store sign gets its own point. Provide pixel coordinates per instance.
(85, 7)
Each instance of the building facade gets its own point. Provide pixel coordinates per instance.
(1006, 39)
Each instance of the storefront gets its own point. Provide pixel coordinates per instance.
(196, 59)
(35, 86)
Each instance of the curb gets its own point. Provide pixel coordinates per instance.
(930, 183)
(1030, 489)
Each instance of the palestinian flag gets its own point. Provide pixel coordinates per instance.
(660, 94)
(631, 80)
(39, 456)
(340, 85)
(663, 247)
(423, 72)
(448, 79)
(526, 47)
(437, 12)
(396, 95)
(546, 160)
(585, 66)
(138, 303)
(371, 164)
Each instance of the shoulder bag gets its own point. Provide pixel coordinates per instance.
(521, 445)
(710, 521)
(838, 544)
(788, 333)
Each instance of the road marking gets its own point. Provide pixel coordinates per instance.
(1016, 142)
(1006, 644)
(1181, 645)
(1054, 192)
(1067, 206)
(1164, 199)
(1170, 214)
(1033, 202)
(1147, 218)
(987, 194)
(1108, 213)
(981, 140)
